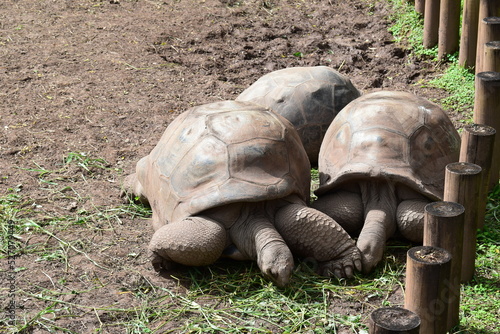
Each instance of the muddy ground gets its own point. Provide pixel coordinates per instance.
(87, 87)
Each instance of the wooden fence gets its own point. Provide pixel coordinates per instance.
(433, 287)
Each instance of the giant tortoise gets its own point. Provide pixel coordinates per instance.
(382, 160)
(232, 179)
(309, 97)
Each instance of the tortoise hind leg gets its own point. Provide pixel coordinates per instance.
(313, 234)
(194, 241)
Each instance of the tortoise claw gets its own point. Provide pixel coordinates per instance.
(343, 267)
(161, 263)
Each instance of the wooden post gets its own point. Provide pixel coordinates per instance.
(390, 320)
(488, 31)
(489, 8)
(461, 185)
(420, 6)
(468, 39)
(487, 111)
(427, 268)
(491, 61)
(431, 23)
(449, 27)
(477, 148)
(444, 228)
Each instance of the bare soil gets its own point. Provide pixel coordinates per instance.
(95, 79)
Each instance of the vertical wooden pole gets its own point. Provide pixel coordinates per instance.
(390, 320)
(488, 31)
(461, 185)
(420, 6)
(449, 27)
(491, 61)
(477, 148)
(488, 8)
(444, 228)
(468, 39)
(431, 23)
(427, 268)
(487, 111)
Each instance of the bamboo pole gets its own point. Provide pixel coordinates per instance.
(477, 148)
(488, 31)
(461, 185)
(431, 23)
(449, 27)
(390, 320)
(420, 6)
(492, 56)
(468, 39)
(444, 228)
(427, 268)
(487, 111)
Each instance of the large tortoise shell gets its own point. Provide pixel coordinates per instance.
(392, 135)
(222, 153)
(309, 97)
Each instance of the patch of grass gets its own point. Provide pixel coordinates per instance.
(225, 298)
(75, 166)
(13, 207)
(480, 304)
(86, 162)
(314, 183)
(18, 225)
(459, 82)
(229, 297)
(407, 27)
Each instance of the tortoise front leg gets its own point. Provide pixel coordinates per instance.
(194, 241)
(257, 239)
(380, 204)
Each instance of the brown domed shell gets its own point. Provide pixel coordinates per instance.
(309, 97)
(222, 153)
(392, 135)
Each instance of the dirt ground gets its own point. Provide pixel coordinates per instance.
(87, 87)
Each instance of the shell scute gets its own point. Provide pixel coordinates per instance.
(262, 161)
(240, 126)
(379, 146)
(201, 167)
